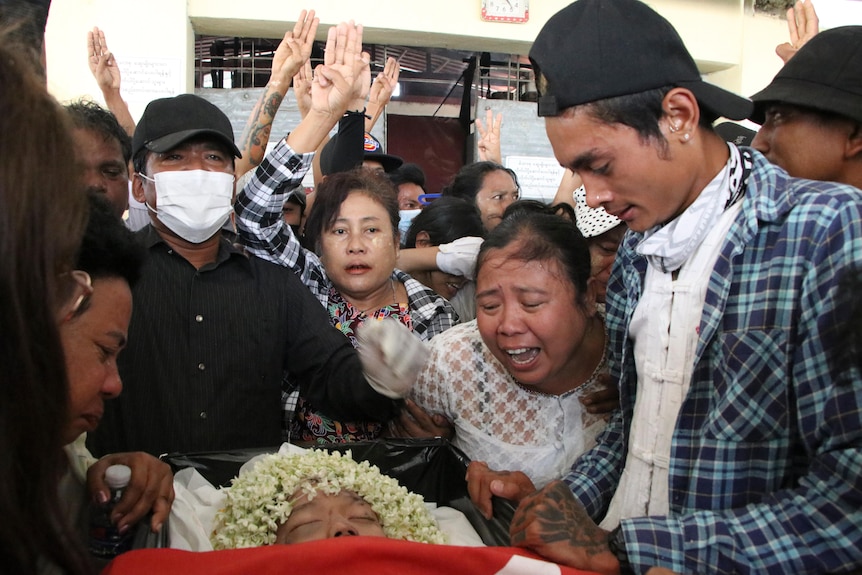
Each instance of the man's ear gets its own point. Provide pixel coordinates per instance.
(853, 146)
(682, 114)
(423, 240)
(138, 188)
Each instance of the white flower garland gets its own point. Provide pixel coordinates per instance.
(258, 501)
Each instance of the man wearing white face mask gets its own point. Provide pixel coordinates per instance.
(214, 329)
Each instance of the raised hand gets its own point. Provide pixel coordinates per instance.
(555, 525)
(384, 83)
(302, 88)
(803, 25)
(294, 50)
(489, 137)
(332, 87)
(290, 57)
(105, 70)
(361, 85)
(103, 66)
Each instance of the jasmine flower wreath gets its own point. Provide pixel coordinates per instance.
(260, 500)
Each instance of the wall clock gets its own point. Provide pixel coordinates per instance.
(505, 10)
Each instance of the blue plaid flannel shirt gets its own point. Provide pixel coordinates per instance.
(766, 456)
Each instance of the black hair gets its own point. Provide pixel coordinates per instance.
(641, 112)
(468, 181)
(139, 161)
(43, 214)
(543, 237)
(407, 174)
(561, 209)
(335, 188)
(445, 220)
(109, 249)
(89, 115)
(24, 24)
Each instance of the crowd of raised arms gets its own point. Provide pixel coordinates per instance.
(660, 368)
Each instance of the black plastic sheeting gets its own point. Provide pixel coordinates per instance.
(433, 468)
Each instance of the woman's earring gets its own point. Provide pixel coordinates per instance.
(673, 128)
(686, 137)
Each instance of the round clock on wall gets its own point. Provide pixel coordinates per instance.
(505, 10)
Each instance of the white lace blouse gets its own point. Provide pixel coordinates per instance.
(498, 421)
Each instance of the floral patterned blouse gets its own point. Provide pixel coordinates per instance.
(310, 424)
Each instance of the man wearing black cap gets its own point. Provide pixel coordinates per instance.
(812, 110)
(738, 445)
(351, 148)
(213, 329)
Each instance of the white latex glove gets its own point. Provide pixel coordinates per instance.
(459, 257)
(391, 356)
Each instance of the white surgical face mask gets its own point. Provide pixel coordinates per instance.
(194, 204)
(405, 218)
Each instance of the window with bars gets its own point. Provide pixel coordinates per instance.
(427, 74)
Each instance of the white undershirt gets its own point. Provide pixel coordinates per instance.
(665, 329)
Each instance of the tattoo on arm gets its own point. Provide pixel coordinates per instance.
(560, 518)
(260, 127)
(271, 105)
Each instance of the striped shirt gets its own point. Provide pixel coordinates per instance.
(207, 350)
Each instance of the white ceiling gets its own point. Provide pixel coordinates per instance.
(834, 13)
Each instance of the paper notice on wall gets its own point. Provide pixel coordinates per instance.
(145, 79)
(539, 177)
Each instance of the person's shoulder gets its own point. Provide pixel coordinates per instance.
(463, 332)
(148, 236)
(269, 270)
(779, 195)
(420, 296)
(820, 203)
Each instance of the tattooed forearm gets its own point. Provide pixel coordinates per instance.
(258, 141)
(259, 127)
(271, 105)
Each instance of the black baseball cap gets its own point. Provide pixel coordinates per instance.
(168, 122)
(597, 49)
(735, 133)
(825, 74)
(372, 150)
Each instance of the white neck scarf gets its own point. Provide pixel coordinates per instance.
(668, 246)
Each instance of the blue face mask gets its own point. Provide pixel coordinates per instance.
(405, 219)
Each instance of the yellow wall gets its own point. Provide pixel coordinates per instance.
(736, 49)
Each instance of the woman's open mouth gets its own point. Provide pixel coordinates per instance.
(522, 355)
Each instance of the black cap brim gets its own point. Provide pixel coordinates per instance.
(719, 101)
(388, 161)
(811, 95)
(171, 141)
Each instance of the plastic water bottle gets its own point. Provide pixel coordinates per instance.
(105, 539)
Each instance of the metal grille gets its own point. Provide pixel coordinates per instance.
(427, 74)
